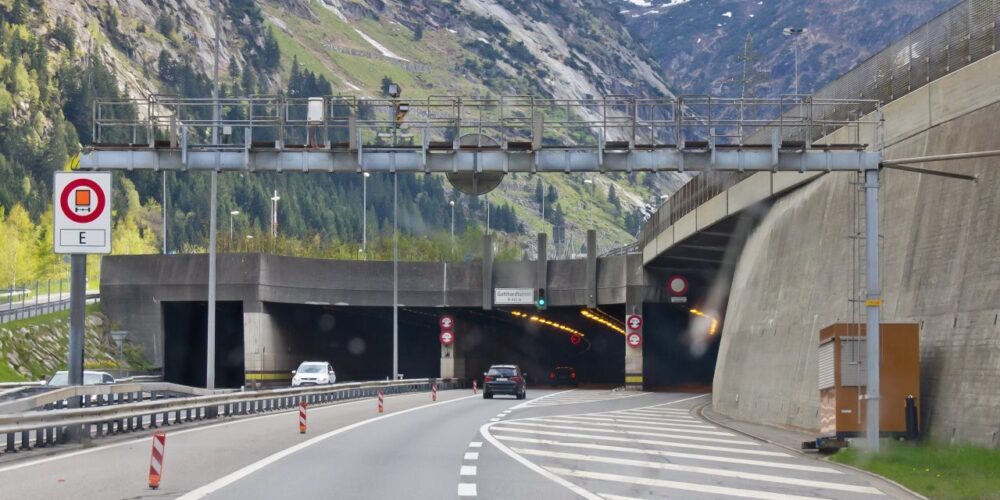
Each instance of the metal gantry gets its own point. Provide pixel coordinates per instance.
(511, 134)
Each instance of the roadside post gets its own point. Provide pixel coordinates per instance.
(156, 459)
(302, 417)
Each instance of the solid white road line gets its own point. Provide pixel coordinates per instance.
(676, 485)
(709, 471)
(609, 424)
(632, 420)
(654, 442)
(476, 444)
(494, 419)
(630, 433)
(467, 489)
(467, 470)
(226, 480)
(485, 432)
(647, 416)
(645, 425)
(197, 428)
(672, 454)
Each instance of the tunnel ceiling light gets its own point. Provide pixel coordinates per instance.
(547, 322)
(586, 313)
(715, 322)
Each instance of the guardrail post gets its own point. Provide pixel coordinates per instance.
(25, 440)
(10, 443)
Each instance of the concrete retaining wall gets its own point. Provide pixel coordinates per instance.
(941, 269)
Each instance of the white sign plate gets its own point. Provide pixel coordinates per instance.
(513, 296)
(82, 212)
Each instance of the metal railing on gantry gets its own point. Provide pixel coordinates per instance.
(460, 134)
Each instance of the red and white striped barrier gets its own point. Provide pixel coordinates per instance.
(302, 417)
(156, 460)
(434, 392)
(381, 401)
(473, 386)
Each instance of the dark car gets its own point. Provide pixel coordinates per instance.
(504, 379)
(563, 375)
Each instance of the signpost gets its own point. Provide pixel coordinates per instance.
(634, 322)
(574, 339)
(447, 338)
(81, 226)
(447, 324)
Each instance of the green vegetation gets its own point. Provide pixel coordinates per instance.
(937, 471)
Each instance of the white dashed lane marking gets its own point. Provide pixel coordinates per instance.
(471, 455)
(466, 489)
(467, 470)
(476, 444)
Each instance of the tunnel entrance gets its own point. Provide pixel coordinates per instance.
(501, 337)
(185, 327)
(679, 353)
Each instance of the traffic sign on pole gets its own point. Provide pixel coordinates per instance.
(447, 338)
(634, 339)
(677, 285)
(634, 321)
(82, 215)
(574, 339)
(446, 323)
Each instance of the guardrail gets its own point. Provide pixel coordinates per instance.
(31, 310)
(47, 428)
(103, 395)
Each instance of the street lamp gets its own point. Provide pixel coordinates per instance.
(795, 33)
(588, 181)
(364, 215)
(274, 214)
(232, 214)
(452, 203)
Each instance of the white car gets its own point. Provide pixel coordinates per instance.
(61, 378)
(313, 373)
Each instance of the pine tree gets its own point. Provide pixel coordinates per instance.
(552, 197)
(613, 198)
(538, 192)
(418, 33)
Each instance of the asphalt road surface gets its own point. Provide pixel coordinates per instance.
(594, 444)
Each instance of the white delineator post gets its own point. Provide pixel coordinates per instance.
(302, 417)
(156, 459)
(381, 402)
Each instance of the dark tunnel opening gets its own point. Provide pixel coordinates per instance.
(679, 352)
(185, 327)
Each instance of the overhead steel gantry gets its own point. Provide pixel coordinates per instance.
(456, 135)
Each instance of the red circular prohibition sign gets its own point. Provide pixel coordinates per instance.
(70, 214)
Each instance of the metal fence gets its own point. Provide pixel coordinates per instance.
(42, 297)
(954, 39)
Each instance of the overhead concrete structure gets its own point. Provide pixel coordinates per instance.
(940, 270)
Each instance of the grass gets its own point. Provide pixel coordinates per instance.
(937, 471)
(46, 318)
(7, 374)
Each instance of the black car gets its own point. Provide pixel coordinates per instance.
(563, 375)
(504, 379)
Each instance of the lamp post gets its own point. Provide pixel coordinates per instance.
(364, 215)
(452, 203)
(274, 214)
(591, 183)
(795, 33)
(232, 214)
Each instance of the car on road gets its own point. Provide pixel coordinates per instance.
(313, 373)
(563, 375)
(504, 379)
(61, 378)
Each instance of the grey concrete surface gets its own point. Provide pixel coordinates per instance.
(940, 269)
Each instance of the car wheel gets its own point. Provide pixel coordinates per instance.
(487, 395)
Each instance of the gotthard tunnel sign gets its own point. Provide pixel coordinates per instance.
(82, 212)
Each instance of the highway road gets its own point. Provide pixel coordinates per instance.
(594, 444)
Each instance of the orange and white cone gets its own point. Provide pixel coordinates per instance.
(156, 460)
(302, 417)
(434, 392)
(474, 387)
(381, 401)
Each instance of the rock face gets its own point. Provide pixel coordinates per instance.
(940, 270)
(37, 351)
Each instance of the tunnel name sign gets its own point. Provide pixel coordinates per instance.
(82, 214)
(513, 296)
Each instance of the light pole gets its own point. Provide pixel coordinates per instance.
(588, 181)
(274, 214)
(795, 33)
(452, 203)
(213, 215)
(232, 214)
(364, 215)
(395, 277)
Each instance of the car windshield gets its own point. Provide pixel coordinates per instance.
(502, 371)
(312, 368)
(60, 378)
(92, 378)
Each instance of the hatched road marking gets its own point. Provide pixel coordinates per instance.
(655, 452)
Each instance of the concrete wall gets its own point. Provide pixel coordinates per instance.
(941, 269)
